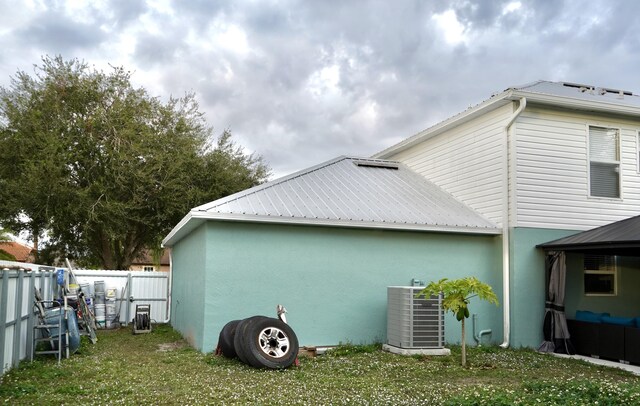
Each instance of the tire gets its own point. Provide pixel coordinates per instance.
(270, 343)
(238, 339)
(225, 341)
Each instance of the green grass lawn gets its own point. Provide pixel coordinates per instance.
(159, 368)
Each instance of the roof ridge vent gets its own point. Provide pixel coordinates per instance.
(619, 92)
(581, 87)
(376, 164)
(600, 90)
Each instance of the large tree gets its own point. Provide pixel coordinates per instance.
(103, 169)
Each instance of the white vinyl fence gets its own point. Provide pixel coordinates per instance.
(18, 282)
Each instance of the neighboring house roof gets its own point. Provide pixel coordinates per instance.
(619, 238)
(345, 192)
(146, 258)
(20, 252)
(561, 94)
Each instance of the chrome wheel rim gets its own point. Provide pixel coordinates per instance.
(274, 342)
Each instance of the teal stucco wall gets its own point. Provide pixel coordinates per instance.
(527, 289)
(333, 281)
(188, 288)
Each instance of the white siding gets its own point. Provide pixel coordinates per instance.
(466, 162)
(553, 171)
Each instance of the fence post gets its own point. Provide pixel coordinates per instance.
(17, 327)
(4, 307)
(127, 302)
(31, 319)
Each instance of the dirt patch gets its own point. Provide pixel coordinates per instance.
(171, 346)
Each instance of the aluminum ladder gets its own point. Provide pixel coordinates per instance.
(59, 345)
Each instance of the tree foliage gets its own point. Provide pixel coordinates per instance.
(456, 296)
(4, 235)
(103, 168)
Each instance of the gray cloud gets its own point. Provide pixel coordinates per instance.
(55, 32)
(319, 79)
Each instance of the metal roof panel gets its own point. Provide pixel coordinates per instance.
(370, 191)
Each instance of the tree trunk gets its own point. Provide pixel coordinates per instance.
(36, 240)
(106, 253)
(464, 347)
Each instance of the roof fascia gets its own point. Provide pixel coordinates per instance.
(190, 222)
(576, 104)
(202, 216)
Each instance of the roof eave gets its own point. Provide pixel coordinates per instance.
(575, 104)
(195, 219)
(190, 222)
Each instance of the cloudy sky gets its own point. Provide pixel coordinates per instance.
(303, 82)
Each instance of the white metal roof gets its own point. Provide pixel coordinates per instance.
(345, 192)
(561, 94)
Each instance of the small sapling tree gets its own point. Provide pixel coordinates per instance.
(455, 299)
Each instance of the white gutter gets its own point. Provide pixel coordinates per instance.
(195, 218)
(506, 282)
(600, 105)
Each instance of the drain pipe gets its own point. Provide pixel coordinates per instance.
(169, 288)
(478, 337)
(506, 282)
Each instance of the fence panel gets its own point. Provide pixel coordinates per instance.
(133, 288)
(17, 287)
(16, 308)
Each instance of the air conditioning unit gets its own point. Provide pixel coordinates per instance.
(414, 323)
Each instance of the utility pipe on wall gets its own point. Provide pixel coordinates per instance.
(478, 336)
(506, 282)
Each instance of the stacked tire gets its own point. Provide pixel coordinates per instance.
(259, 341)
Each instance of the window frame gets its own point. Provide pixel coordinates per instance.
(618, 162)
(613, 272)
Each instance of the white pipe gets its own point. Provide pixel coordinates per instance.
(474, 318)
(506, 282)
(478, 336)
(169, 287)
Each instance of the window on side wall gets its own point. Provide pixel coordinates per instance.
(600, 275)
(148, 268)
(604, 162)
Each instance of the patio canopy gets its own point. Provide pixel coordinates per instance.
(619, 238)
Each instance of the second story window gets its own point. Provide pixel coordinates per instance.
(604, 162)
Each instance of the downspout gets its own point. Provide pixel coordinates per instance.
(506, 282)
(169, 288)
